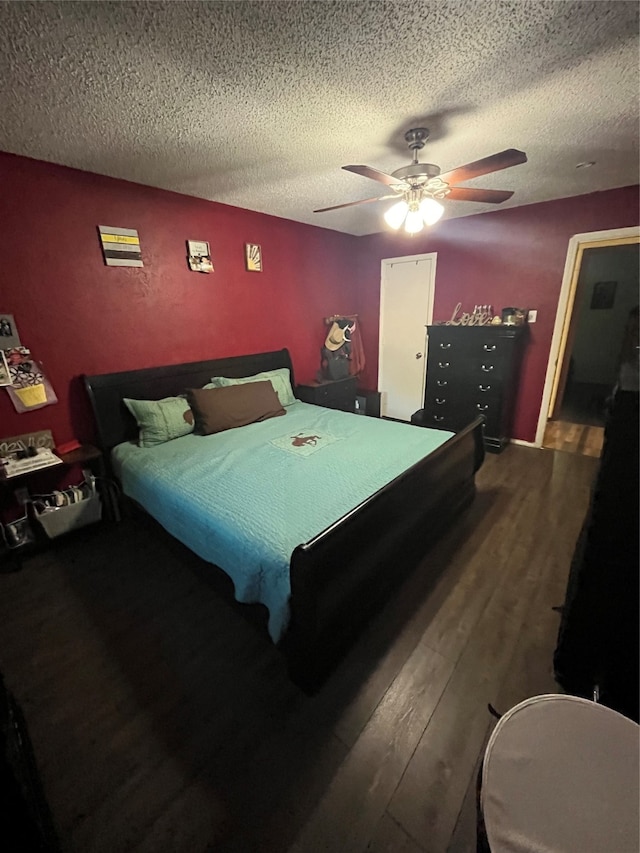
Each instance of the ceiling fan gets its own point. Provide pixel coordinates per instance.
(418, 187)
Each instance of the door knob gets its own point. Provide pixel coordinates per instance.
(418, 355)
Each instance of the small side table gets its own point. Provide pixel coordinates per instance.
(87, 456)
(334, 394)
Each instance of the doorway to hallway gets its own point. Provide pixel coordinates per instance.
(604, 296)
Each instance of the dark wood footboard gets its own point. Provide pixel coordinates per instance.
(344, 574)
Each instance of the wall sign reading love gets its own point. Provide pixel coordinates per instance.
(482, 315)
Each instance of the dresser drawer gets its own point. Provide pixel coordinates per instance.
(452, 410)
(474, 338)
(459, 367)
(486, 392)
(441, 391)
(491, 412)
(448, 368)
(443, 400)
(475, 345)
(452, 420)
(490, 369)
(459, 403)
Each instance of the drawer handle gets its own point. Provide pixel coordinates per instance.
(489, 347)
(484, 387)
(438, 417)
(443, 364)
(481, 408)
(487, 368)
(440, 401)
(441, 383)
(445, 346)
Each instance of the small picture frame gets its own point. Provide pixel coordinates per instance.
(199, 256)
(253, 257)
(603, 295)
(9, 337)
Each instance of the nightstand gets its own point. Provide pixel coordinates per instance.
(334, 394)
(88, 457)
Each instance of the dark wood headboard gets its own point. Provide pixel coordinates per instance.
(106, 391)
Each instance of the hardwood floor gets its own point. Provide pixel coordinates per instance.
(574, 438)
(585, 403)
(162, 720)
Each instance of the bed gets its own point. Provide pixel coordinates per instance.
(320, 531)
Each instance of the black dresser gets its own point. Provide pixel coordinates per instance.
(471, 371)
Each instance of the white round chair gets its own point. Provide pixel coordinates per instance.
(560, 775)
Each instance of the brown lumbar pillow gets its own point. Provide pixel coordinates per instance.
(217, 409)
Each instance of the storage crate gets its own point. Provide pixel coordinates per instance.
(62, 519)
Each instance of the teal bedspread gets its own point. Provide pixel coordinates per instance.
(243, 499)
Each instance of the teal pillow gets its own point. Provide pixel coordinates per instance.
(161, 420)
(280, 379)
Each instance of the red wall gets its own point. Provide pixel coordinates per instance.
(503, 258)
(80, 316)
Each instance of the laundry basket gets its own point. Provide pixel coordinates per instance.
(58, 520)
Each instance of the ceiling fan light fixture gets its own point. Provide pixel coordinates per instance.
(414, 222)
(395, 215)
(419, 186)
(430, 210)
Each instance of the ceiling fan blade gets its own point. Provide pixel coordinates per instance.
(376, 175)
(494, 163)
(473, 194)
(352, 203)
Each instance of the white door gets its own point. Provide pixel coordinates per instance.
(406, 308)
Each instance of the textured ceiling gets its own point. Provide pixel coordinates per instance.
(258, 104)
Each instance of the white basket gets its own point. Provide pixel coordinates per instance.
(62, 519)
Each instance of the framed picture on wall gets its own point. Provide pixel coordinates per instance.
(603, 295)
(199, 256)
(5, 377)
(9, 337)
(253, 257)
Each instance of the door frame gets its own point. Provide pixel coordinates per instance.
(566, 302)
(385, 265)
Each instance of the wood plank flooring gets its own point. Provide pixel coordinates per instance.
(574, 438)
(163, 720)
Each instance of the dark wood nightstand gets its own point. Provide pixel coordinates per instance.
(88, 457)
(336, 394)
(92, 458)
